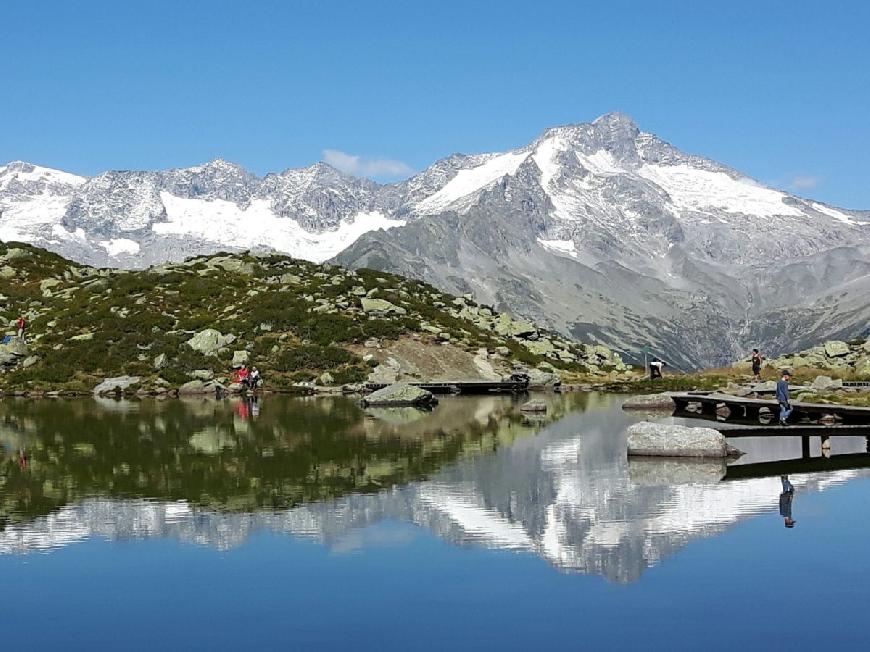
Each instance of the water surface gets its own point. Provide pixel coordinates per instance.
(310, 523)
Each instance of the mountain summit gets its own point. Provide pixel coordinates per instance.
(598, 230)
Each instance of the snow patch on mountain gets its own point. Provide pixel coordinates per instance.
(118, 246)
(837, 215)
(25, 173)
(473, 180)
(21, 220)
(695, 189)
(228, 224)
(559, 246)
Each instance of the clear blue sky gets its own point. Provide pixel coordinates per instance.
(779, 90)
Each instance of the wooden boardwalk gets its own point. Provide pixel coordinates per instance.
(745, 407)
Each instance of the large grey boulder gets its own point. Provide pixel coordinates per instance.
(541, 378)
(210, 341)
(12, 352)
(381, 307)
(822, 383)
(836, 348)
(400, 395)
(647, 402)
(115, 385)
(670, 440)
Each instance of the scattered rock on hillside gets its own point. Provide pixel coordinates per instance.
(836, 349)
(381, 307)
(835, 355)
(210, 341)
(822, 383)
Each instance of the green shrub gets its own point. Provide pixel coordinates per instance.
(313, 356)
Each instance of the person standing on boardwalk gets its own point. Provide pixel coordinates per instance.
(757, 359)
(784, 398)
(21, 324)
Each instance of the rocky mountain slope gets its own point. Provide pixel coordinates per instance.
(603, 231)
(185, 326)
(598, 231)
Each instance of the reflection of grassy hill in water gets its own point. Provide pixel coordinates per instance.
(213, 454)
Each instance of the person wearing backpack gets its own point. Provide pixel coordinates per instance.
(21, 324)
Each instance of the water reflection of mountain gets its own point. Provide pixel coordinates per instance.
(233, 456)
(568, 495)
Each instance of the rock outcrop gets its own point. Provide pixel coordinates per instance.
(835, 355)
(648, 402)
(115, 385)
(400, 395)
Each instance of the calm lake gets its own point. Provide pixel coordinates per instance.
(313, 524)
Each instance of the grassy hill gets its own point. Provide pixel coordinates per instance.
(297, 321)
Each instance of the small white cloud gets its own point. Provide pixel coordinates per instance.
(366, 167)
(804, 182)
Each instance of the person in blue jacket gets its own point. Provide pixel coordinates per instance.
(784, 398)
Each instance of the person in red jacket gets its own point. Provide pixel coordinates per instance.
(243, 376)
(22, 326)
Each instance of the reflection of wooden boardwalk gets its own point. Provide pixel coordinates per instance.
(797, 430)
(464, 386)
(801, 465)
(745, 407)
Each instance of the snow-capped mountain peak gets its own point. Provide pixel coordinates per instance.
(596, 229)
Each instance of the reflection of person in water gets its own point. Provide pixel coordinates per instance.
(785, 500)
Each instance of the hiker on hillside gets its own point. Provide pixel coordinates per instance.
(784, 398)
(655, 368)
(757, 359)
(21, 325)
(255, 378)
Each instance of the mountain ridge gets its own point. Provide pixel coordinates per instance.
(643, 240)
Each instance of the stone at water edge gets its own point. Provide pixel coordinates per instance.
(113, 385)
(535, 405)
(661, 401)
(399, 395)
(669, 440)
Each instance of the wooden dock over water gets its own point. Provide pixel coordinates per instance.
(747, 408)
